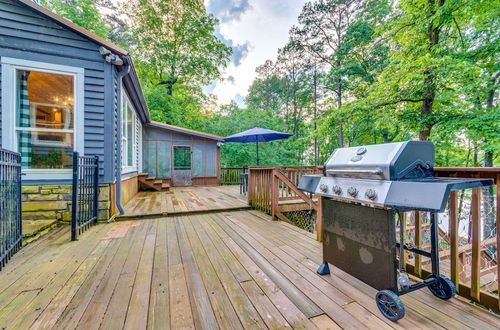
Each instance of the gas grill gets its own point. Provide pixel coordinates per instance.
(364, 190)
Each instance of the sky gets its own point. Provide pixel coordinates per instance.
(255, 29)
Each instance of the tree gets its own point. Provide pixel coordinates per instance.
(323, 26)
(431, 63)
(176, 43)
(80, 12)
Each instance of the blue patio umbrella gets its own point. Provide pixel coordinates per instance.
(257, 135)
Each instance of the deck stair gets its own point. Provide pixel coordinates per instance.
(152, 183)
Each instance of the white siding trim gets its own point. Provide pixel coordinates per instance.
(137, 147)
(138, 142)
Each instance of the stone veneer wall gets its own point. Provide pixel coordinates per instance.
(49, 203)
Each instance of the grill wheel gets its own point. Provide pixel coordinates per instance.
(390, 305)
(443, 287)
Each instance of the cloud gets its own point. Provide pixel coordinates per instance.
(239, 99)
(231, 79)
(240, 51)
(210, 88)
(228, 10)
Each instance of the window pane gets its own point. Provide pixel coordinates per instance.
(124, 116)
(44, 101)
(130, 136)
(182, 158)
(46, 149)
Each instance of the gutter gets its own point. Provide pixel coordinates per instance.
(118, 165)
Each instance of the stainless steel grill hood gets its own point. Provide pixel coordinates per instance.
(390, 161)
(393, 175)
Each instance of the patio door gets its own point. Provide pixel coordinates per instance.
(182, 173)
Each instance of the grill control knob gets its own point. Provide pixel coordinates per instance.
(352, 191)
(337, 189)
(323, 187)
(371, 194)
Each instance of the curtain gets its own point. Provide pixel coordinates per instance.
(24, 120)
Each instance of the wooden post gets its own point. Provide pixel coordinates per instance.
(250, 187)
(498, 233)
(403, 228)
(476, 244)
(274, 195)
(319, 220)
(418, 242)
(453, 216)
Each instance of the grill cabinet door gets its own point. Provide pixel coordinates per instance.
(360, 240)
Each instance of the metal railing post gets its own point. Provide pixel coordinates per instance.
(96, 189)
(74, 215)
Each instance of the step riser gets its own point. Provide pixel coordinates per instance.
(157, 185)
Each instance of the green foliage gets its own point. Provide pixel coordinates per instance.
(352, 72)
(80, 12)
(176, 43)
(177, 53)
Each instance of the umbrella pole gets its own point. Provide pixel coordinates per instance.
(257, 145)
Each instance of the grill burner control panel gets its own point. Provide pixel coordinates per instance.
(361, 190)
(426, 194)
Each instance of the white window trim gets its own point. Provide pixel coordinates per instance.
(135, 146)
(9, 139)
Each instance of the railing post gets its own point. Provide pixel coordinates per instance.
(476, 244)
(250, 187)
(453, 218)
(96, 189)
(498, 234)
(19, 199)
(418, 242)
(274, 195)
(74, 197)
(403, 228)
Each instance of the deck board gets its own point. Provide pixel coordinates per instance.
(181, 200)
(225, 270)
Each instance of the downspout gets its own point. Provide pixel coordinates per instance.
(118, 165)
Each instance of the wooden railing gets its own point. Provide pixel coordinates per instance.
(260, 181)
(469, 239)
(230, 175)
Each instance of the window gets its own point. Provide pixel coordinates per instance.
(129, 138)
(44, 119)
(182, 158)
(40, 106)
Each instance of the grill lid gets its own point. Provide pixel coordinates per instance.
(390, 161)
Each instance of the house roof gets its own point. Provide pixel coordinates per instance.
(185, 130)
(74, 27)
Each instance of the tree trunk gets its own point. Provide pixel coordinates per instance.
(294, 106)
(489, 229)
(429, 90)
(339, 105)
(315, 82)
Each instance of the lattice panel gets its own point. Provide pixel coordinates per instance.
(303, 219)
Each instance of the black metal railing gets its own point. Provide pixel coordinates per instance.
(11, 235)
(85, 208)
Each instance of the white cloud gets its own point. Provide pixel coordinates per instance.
(262, 25)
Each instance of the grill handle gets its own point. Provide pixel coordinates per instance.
(359, 172)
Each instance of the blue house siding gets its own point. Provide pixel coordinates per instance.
(25, 34)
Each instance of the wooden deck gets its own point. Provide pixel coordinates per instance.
(227, 270)
(183, 200)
